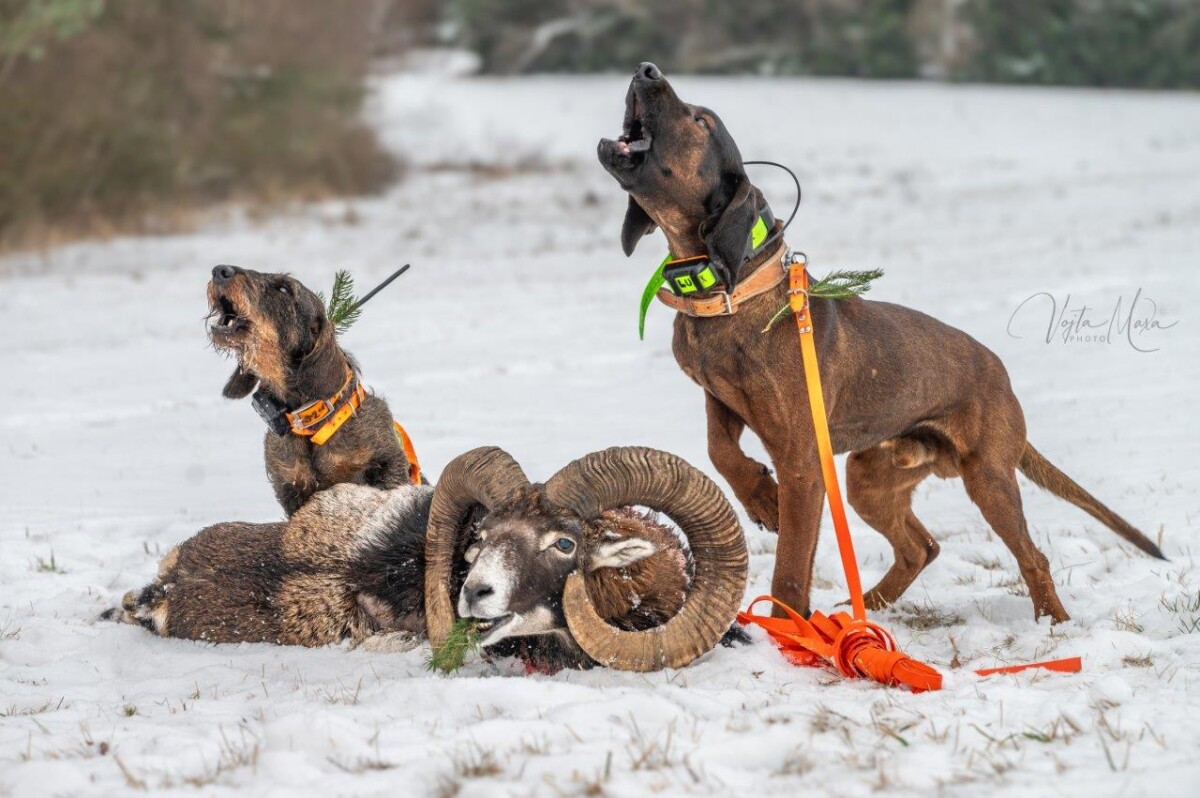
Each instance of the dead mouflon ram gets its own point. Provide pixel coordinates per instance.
(570, 567)
(565, 574)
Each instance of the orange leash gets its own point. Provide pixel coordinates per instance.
(798, 299)
(856, 646)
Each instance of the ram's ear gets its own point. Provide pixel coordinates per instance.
(620, 553)
(728, 229)
(637, 224)
(240, 384)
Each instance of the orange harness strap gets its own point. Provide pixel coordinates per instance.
(410, 451)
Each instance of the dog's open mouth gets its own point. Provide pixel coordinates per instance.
(225, 318)
(635, 137)
(496, 629)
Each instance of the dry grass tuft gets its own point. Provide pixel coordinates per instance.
(926, 616)
(475, 762)
(1187, 607)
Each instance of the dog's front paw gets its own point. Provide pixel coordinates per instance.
(762, 505)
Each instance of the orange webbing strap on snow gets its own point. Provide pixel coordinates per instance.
(858, 649)
(1068, 665)
(862, 649)
(410, 451)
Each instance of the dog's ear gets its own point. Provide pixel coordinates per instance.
(240, 384)
(637, 224)
(728, 229)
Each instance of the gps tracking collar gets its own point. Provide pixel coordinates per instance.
(698, 274)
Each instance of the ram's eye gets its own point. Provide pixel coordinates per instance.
(565, 545)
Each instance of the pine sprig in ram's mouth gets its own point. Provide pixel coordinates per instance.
(463, 639)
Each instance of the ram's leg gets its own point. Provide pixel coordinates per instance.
(390, 642)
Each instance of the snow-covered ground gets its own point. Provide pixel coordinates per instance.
(517, 327)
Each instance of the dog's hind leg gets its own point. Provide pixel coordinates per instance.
(994, 490)
(879, 486)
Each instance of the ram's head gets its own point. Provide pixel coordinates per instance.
(570, 557)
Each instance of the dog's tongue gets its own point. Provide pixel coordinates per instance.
(641, 145)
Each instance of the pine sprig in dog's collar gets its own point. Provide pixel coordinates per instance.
(697, 275)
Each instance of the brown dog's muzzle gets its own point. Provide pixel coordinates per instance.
(626, 153)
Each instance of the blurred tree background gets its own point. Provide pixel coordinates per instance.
(1136, 43)
(122, 115)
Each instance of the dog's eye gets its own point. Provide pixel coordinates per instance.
(701, 121)
(284, 289)
(565, 545)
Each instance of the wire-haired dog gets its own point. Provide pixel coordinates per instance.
(324, 428)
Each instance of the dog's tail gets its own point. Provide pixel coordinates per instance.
(1046, 475)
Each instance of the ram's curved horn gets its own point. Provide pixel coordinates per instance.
(624, 476)
(481, 477)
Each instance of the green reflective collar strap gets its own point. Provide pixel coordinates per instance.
(696, 275)
(648, 294)
(758, 233)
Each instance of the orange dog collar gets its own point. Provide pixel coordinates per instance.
(320, 419)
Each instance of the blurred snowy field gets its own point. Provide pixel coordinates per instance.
(517, 327)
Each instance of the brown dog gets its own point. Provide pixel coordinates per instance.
(287, 349)
(907, 395)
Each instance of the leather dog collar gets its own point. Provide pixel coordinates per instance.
(725, 303)
(698, 275)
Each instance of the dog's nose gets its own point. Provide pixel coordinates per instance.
(223, 274)
(476, 593)
(649, 71)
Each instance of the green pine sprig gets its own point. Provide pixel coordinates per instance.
(841, 284)
(462, 640)
(342, 307)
